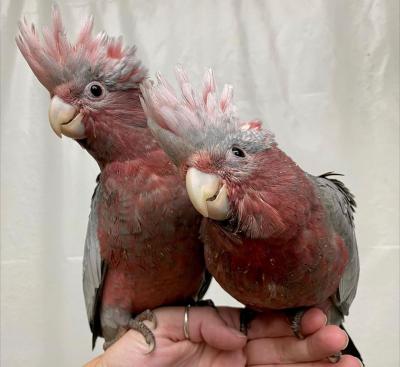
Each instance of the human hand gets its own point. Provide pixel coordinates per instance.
(216, 342)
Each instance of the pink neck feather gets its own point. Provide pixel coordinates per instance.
(277, 199)
(119, 132)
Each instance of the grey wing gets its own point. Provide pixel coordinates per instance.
(340, 205)
(94, 270)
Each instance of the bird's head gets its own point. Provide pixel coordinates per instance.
(93, 83)
(217, 153)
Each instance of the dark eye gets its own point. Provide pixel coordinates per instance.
(238, 152)
(96, 90)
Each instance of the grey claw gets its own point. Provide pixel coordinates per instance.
(335, 358)
(152, 346)
(295, 325)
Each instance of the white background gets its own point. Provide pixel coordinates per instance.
(322, 74)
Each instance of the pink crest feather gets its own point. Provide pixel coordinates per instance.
(55, 59)
(194, 111)
(198, 120)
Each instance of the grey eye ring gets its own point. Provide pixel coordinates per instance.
(96, 90)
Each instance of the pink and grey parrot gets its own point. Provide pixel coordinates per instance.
(142, 247)
(275, 236)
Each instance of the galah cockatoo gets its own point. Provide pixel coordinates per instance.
(275, 236)
(142, 247)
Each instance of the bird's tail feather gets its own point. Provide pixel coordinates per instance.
(351, 349)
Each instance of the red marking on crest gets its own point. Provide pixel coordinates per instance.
(253, 124)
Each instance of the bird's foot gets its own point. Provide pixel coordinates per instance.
(335, 358)
(138, 325)
(295, 322)
(246, 316)
(295, 325)
(148, 316)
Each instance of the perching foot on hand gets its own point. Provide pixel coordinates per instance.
(295, 322)
(138, 325)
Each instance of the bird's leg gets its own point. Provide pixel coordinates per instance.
(246, 316)
(108, 343)
(147, 316)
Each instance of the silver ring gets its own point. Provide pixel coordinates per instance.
(186, 322)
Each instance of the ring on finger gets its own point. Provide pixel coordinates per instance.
(186, 322)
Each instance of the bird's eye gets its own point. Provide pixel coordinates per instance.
(96, 90)
(238, 152)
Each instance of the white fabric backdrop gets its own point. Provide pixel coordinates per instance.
(323, 75)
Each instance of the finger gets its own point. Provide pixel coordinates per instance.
(276, 324)
(205, 325)
(322, 344)
(345, 361)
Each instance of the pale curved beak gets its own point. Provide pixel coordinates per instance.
(208, 194)
(65, 119)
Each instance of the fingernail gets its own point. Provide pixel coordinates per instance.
(237, 333)
(347, 341)
(326, 319)
(361, 364)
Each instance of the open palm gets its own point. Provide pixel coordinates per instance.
(216, 342)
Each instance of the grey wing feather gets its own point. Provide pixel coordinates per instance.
(93, 269)
(340, 205)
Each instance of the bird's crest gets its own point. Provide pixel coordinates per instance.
(54, 60)
(196, 118)
(193, 112)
